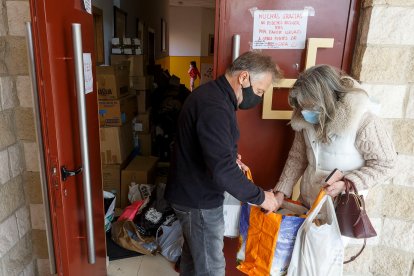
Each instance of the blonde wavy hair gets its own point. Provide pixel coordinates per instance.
(322, 87)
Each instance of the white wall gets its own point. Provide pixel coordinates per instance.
(189, 30)
(108, 14)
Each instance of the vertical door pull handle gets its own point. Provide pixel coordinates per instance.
(83, 132)
(40, 144)
(236, 47)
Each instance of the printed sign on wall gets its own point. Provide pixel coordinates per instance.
(87, 72)
(88, 6)
(280, 29)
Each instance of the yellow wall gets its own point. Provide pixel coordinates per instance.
(179, 66)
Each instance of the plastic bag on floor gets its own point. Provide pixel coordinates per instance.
(170, 238)
(134, 209)
(125, 234)
(139, 191)
(318, 249)
(109, 199)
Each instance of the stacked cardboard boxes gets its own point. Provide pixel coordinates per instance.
(117, 108)
(140, 84)
(126, 46)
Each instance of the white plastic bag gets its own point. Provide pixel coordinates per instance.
(318, 249)
(170, 240)
(231, 214)
(139, 191)
(109, 215)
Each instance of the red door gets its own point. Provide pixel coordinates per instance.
(76, 210)
(265, 143)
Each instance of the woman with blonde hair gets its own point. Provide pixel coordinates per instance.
(335, 127)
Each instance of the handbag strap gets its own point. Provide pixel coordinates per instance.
(349, 184)
(357, 254)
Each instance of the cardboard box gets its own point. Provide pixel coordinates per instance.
(111, 179)
(142, 122)
(117, 112)
(136, 65)
(141, 170)
(116, 51)
(140, 82)
(116, 144)
(113, 81)
(145, 143)
(143, 100)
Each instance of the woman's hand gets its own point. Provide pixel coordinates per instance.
(335, 188)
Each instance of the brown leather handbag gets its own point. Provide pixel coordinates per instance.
(352, 218)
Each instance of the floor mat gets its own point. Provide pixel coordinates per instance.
(116, 252)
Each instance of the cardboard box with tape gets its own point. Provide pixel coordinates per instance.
(137, 63)
(116, 143)
(118, 111)
(113, 81)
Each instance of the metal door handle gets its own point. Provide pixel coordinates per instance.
(83, 130)
(236, 46)
(67, 173)
(40, 144)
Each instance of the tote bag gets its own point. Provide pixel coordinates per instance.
(318, 248)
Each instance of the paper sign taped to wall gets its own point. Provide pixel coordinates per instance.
(88, 6)
(280, 29)
(87, 72)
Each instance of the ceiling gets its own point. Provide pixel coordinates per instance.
(194, 3)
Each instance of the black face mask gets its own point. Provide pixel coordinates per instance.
(250, 99)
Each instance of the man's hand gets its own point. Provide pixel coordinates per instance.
(241, 164)
(270, 204)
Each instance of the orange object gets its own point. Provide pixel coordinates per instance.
(261, 242)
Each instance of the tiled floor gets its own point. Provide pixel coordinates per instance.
(142, 266)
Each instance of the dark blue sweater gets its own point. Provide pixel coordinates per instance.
(203, 164)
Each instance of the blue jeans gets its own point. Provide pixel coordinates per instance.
(203, 231)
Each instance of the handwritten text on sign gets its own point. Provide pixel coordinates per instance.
(280, 29)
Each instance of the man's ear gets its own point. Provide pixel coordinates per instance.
(244, 75)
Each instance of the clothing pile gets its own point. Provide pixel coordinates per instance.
(149, 225)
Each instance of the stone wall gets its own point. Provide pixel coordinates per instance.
(20, 192)
(384, 63)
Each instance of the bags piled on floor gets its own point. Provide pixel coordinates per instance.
(149, 224)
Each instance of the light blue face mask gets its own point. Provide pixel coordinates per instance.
(311, 116)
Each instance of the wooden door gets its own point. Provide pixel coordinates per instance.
(58, 100)
(265, 143)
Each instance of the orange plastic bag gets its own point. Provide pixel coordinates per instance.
(270, 241)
